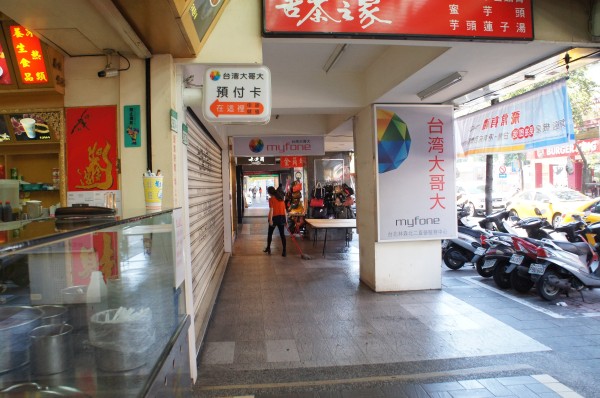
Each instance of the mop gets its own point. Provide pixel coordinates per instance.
(302, 255)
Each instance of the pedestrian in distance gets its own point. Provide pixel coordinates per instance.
(260, 192)
(277, 218)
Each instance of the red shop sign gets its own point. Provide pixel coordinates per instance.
(30, 59)
(473, 19)
(291, 161)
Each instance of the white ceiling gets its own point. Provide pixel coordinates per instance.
(305, 99)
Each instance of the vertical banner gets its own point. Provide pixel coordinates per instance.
(91, 138)
(131, 120)
(415, 180)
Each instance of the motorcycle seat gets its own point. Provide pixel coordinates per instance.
(579, 248)
(469, 231)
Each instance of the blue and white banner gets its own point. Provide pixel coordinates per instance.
(416, 197)
(536, 119)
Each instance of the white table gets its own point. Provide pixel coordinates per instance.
(330, 223)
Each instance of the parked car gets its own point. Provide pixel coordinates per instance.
(552, 202)
(473, 199)
(590, 212)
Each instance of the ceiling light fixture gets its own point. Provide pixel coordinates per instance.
(335, 55)
(441, 85)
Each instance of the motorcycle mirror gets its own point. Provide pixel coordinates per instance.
(537, 211)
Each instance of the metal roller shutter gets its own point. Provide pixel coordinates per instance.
(205, 192)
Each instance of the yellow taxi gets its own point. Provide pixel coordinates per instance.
(590, 212)
(554, 203)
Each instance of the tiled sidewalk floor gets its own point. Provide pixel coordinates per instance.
(535, 386)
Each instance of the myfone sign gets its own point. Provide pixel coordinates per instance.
(237, 94)
(279, 146)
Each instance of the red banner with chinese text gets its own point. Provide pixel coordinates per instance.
(30, 58)
(91, 138)
(291, 161)
(485, 19)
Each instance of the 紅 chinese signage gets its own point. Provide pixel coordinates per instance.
(28, 63)
(29, 55)
(237, 94)
(473, 19)
(415, 181)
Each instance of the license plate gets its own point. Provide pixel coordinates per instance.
(516, 259)
(537, 269)
(489, 263)
(444, 244)
(479, 251)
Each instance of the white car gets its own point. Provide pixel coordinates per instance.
(473, 197)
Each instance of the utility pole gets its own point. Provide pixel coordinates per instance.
(489, 175)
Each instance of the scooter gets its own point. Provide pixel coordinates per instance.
(562, 266)
(467, 247)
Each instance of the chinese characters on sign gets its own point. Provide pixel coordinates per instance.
(292, 161)
(237, 94)
(30, 59)
(415, 182)
(437, 173)
(536, 119)
(131, 118)
(489, 19)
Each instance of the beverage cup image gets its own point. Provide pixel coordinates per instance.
(29, 126)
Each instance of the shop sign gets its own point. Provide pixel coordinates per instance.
(203, 13)
(292, 161)
(473, 19)
(279, 146)
(237, 94)
(587, 146)
(533, 120)
(255, 160)
(30, 59)
(415, 181)
(131, 118)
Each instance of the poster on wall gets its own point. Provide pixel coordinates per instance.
(131, 120)
(91, 140)
(415, 181)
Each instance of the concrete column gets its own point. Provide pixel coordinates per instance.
(387, 266)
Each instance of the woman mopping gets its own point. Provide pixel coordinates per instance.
(277, 217)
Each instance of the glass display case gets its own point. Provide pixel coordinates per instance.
(93, 309)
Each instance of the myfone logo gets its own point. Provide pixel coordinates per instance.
(413, 222)
(289, 147)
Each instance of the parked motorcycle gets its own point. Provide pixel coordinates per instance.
(562, 266)
(467, 247)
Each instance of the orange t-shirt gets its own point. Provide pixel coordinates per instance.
(278, 206)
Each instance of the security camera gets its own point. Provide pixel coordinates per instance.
(108, 72)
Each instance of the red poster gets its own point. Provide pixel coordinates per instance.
(95, 252)
(484, 19)
(91, 138)
(30, 58)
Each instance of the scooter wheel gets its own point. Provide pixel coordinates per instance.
(520, 283)
(545, 289)
(487, 272)
(454, 259)
(501, 278)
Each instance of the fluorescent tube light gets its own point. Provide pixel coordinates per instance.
(333, 58)
(441, 85)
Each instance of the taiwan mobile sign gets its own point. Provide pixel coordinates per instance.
(279, 146)
(416, 197)
(237, 94)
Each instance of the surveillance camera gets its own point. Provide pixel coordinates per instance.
(108, 72)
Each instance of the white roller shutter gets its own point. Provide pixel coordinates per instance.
(205, 191)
